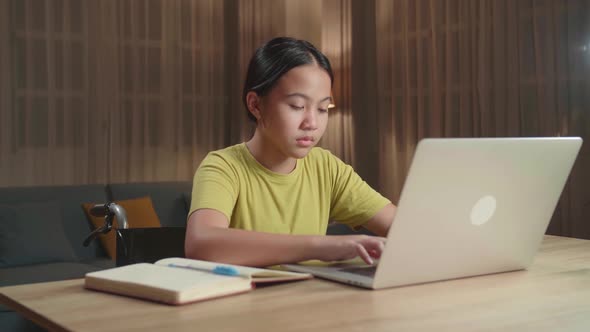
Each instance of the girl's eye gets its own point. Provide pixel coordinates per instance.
(295, 107)
(323, 110)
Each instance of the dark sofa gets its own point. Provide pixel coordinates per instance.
(49, 247)
(46, 242)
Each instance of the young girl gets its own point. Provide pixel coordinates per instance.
(268, 201)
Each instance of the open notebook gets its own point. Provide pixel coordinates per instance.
(180, 280)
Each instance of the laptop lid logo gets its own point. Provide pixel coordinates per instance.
(483, 210)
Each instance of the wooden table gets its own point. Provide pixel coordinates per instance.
(553, 294)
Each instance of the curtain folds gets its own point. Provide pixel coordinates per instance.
(141, 90)
(462, 68)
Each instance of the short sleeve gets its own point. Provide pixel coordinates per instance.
(354, 202)
(215, 186)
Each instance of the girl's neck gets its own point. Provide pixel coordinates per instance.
(269, 156)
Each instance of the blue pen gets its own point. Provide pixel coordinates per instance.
(218, 269)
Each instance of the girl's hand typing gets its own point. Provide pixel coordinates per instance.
(342, 247)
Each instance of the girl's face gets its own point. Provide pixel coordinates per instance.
(293, 116)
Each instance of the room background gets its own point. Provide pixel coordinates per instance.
(141, 90)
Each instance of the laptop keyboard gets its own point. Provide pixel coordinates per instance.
(368, 271)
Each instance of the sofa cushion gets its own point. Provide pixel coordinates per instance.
(32, 233)
(140, 214)
(12, 321)
(167, 198)
(28, 274)
(69, 198)
(100, 263)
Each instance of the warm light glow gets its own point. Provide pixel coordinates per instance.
(331, 104)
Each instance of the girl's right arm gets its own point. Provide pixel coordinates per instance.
(208, 237)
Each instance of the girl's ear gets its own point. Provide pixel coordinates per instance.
(253, 102)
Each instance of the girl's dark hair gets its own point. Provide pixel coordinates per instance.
(273, 59)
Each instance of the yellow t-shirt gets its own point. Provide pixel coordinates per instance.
(319, 189)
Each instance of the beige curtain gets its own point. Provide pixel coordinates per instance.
(45, 118)
(134, 90)
(110, 91)
(170, 102)
(5, 90)
(336, 43)
(141, 90)
(464, 68)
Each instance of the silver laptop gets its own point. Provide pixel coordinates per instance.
(469, 206)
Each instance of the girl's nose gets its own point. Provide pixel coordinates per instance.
(310, 120)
